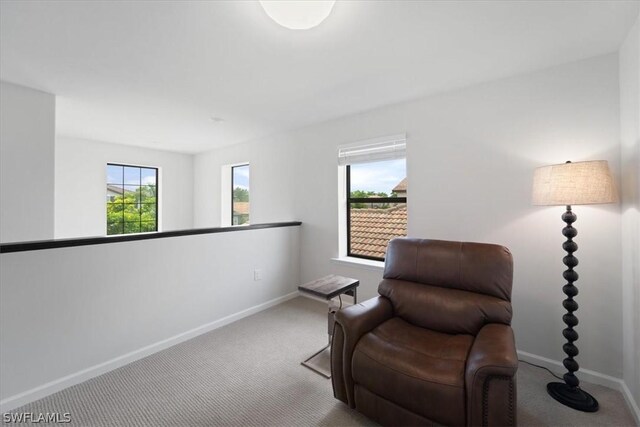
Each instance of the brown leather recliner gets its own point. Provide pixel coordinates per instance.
(436, 345)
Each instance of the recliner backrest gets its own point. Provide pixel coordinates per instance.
(432, 283)
(475, 267)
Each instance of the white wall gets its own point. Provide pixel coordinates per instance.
(27, 120)
(471, 156)
(104, 304)
(80, 170)
(273, 166)
(630, 150)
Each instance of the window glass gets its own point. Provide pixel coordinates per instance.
(115, 174)
(132, 175)
(132, 201)
(148, 176)
(376, 206)
(240, 195)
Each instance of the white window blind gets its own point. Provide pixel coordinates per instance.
(373, 150)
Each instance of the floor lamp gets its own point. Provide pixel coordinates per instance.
(580, 183)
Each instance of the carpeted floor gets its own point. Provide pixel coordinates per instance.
(249, 374)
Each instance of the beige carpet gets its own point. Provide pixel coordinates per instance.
(249, 374)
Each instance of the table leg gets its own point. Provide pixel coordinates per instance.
(354, 293)
(306, 365)
(330, 321)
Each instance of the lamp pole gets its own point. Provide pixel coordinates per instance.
(569, 393)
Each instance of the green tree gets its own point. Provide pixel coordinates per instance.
(240, 194)
(133, 211)
(361, 194)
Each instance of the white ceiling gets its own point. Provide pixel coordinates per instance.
(153, 73)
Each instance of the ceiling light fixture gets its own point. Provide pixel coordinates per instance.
(298, 14)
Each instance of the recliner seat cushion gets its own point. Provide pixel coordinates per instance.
(418, 369)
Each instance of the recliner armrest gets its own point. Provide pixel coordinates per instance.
(361, 318)
(351, 324)
(490, 377)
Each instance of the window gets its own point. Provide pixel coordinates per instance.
(132, 199)
(376, 195)
(240, 195)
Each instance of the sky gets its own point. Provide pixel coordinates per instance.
(131, 175)
(241, 177)
(378, 176)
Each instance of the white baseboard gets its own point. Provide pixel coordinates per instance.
(583, 374)
(587, 375)
(76, 378)
(633, 405)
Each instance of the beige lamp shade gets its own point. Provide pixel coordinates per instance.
(580, 183)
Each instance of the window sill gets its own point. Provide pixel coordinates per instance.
(359, 263)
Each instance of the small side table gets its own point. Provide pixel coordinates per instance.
(328, 287)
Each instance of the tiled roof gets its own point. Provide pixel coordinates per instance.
(117, 189)
(241, 208)
(402, 186)
(371, 229)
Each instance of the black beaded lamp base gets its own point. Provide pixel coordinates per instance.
(573, 397)
(569, 393)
